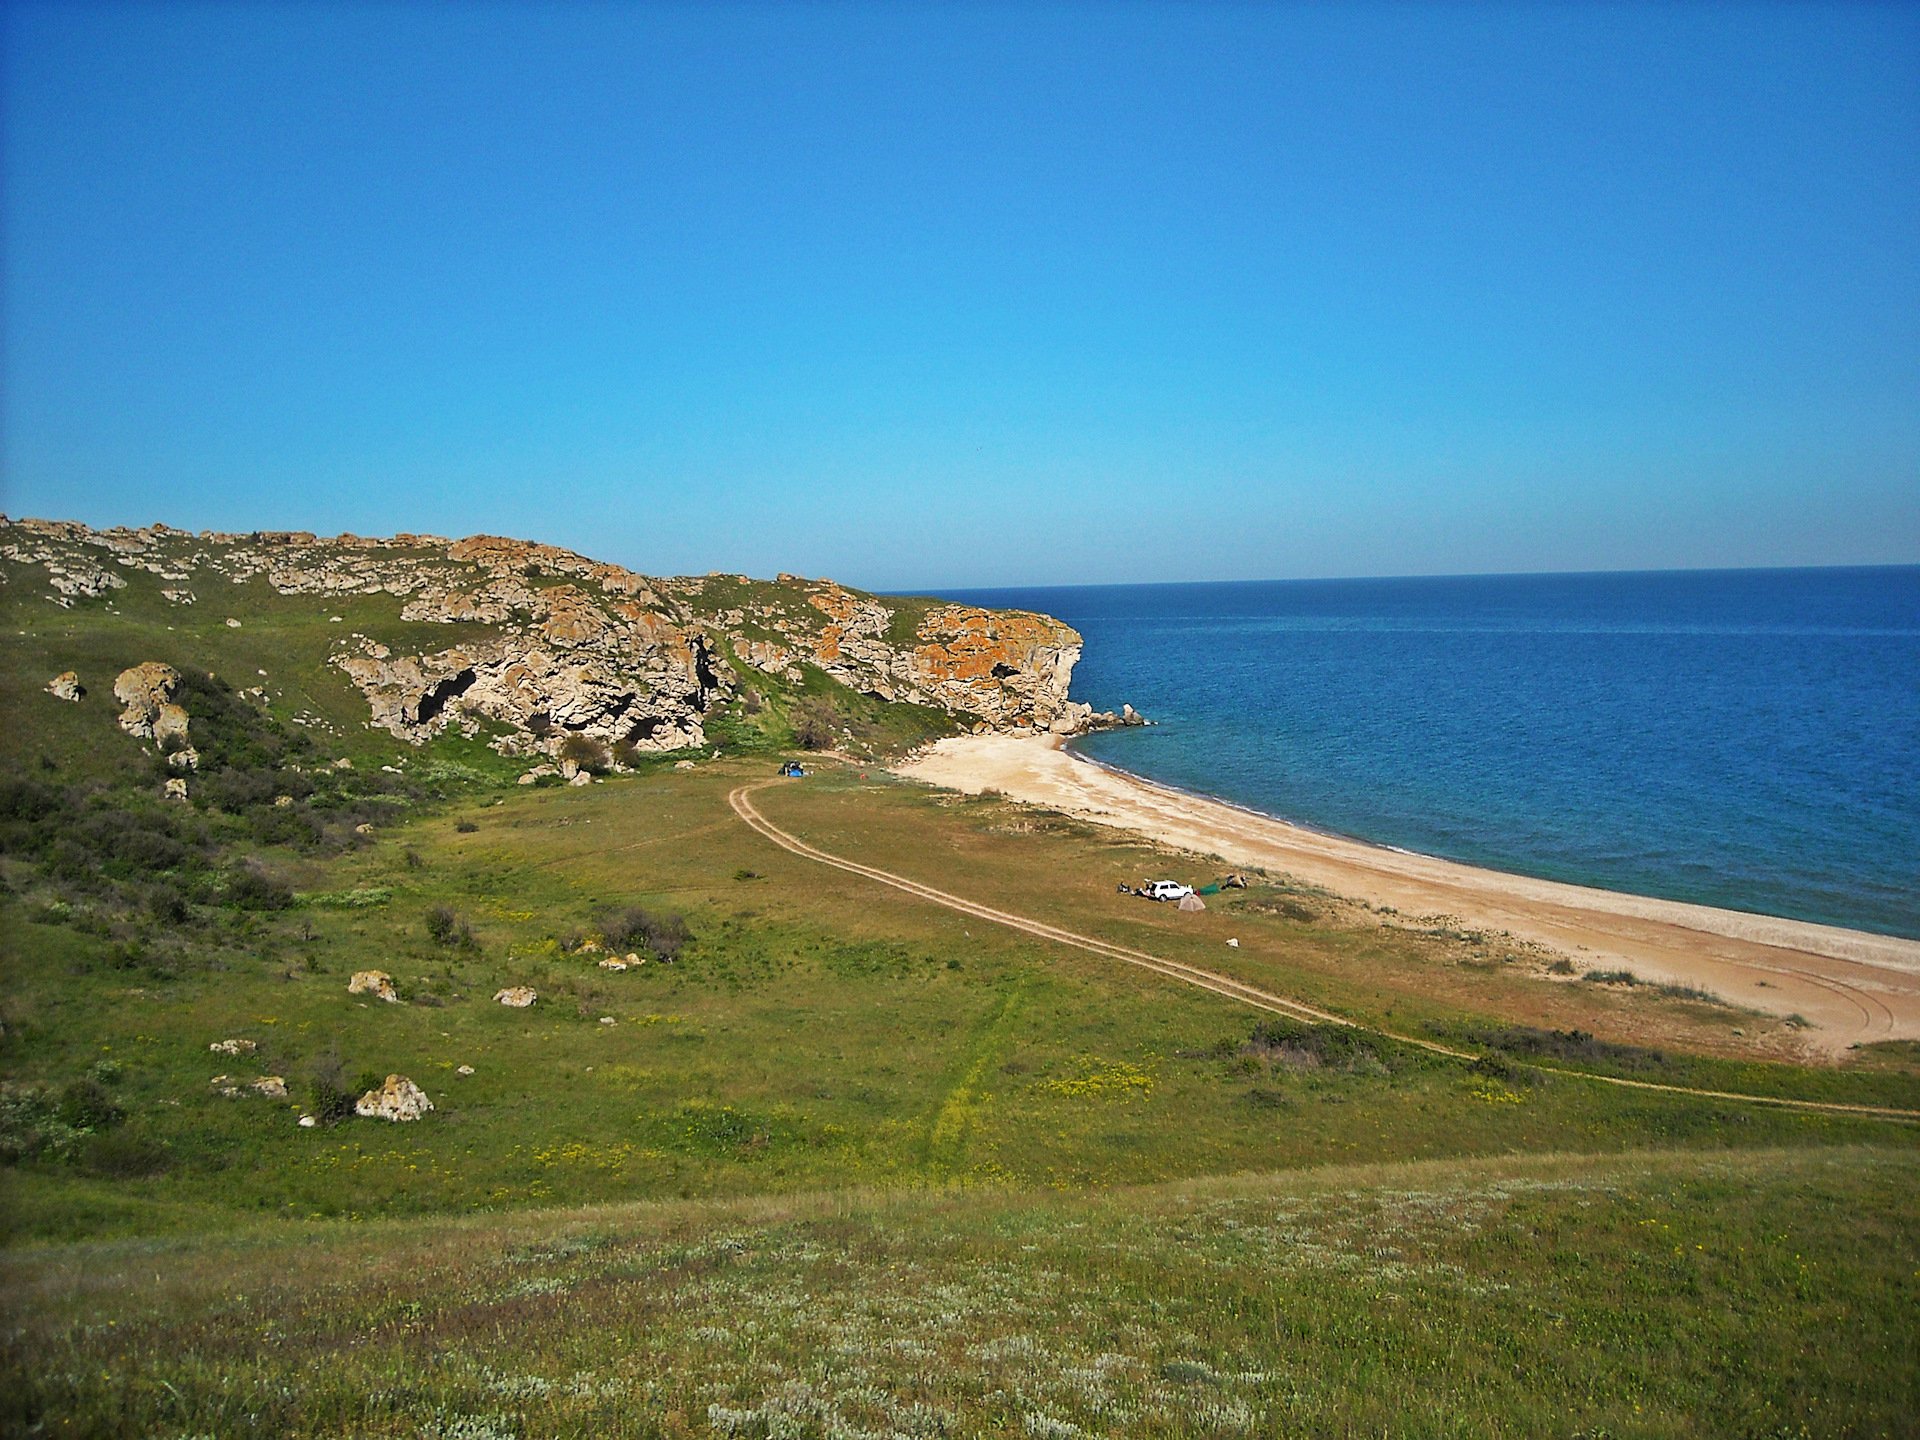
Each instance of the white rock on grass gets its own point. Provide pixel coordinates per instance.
(464, 1070)
(233, 1047)
(274, 1087)
(517, 996)
(373, 982)
(398, 1100)
(66, 686)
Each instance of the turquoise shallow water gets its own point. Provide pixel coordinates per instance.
(1749, 739)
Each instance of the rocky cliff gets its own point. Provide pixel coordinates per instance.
(544, 643)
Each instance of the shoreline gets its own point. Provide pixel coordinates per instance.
(1852, 986)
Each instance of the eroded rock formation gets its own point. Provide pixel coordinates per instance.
(543, 643)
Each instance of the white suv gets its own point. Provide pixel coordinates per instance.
(1168, 890)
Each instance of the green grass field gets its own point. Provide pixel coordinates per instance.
(848, 1163)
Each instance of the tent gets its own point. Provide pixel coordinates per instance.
(1192, 902)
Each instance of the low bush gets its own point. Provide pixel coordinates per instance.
(817, 723)
(446, 927)
(664, 935)
(586, 752)
(1526, 1042)
(326, 1092)
(123, 1155)
(1296, 1042)
(251, 888)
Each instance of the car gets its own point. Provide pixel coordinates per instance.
(1168, 890)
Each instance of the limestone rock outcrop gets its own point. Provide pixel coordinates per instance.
(66, 686)
(541, 644)
(376, 983)
(399, 1100)
(144, 691)
(519, 997)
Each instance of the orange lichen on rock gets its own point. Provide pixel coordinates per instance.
(965, 643)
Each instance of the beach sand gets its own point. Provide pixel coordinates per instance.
(1853, 987)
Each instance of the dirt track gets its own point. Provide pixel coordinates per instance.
(1225, 985)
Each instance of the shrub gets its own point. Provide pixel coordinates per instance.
(30, 1125)
(664, 935)
(461, 827)
(1527, 1042)
(86, 1105)
(1298, 1043)
(250, 888)
(445, 927)
(124, 1155)
(326, 1093)
(816, 723)
(586, 752)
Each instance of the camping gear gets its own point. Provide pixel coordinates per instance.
(1192, 902)
(1208, 890)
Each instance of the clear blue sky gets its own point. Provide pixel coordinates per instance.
(923, 296)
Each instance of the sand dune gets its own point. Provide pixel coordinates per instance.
(1852, 986)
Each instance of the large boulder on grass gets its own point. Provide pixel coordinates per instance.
(373, 982)
(518, 996)
(399, 1099)
(66, 686)
(143, 691)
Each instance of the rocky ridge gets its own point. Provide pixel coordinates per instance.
(551, 643)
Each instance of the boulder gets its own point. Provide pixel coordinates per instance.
(397, 1100)
(464, 1070)
(66, 686)
(517, 996)
(170, 727)
(233, 1047)
(274, 1087)
(373, 982)
(175, 789)
(185, 758)
(141, 690)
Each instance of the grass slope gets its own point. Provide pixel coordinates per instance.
(1761, 1294)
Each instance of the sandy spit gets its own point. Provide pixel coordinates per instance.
(1854, 987)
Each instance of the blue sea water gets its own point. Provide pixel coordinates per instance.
(1749, 739)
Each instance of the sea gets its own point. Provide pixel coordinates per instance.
(1742, 738)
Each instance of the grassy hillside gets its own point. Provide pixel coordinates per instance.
(828, 1160)
(1751, 1293)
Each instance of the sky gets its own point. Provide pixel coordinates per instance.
(968, 295)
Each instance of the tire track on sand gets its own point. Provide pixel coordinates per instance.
(741, 799)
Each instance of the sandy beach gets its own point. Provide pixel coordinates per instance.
(1854, 987)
